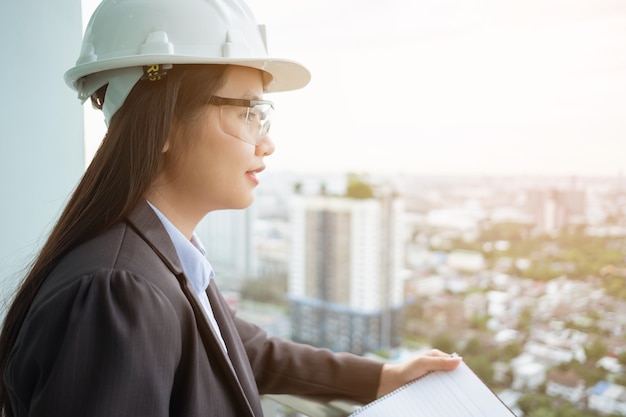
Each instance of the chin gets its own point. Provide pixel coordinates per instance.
(244, 203)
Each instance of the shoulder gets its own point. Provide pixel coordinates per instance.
(146, 253)
(118, 266)
(102, 298)
(108, 325)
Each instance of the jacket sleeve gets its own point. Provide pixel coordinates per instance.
(285, 367)
(107, 345)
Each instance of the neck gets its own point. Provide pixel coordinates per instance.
(178, 218)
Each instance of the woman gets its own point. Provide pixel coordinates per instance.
(119, 314)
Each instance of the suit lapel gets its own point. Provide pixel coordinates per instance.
(236, 350)
(239, 381)
(146, 223)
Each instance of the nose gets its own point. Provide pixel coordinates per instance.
(266, 146)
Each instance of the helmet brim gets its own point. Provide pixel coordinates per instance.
(286, 75)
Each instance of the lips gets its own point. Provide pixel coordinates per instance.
(252, 174)
(256, 171)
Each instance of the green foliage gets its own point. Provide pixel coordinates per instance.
(571, 253)
(543, 412)
(615, 286)
(541, 405)
(473, 347)
(525, 320)
(596, 350)
(530, 402)
(509, 351)
(479, 322)
(513, 232)
(620, 380)
(444, 342)
(359, 189)
(482, 366)
(541, 271)
(265, 290)
(588, 371)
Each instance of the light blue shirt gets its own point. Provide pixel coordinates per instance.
(197, 268)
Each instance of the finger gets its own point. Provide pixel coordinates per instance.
(436, 352)
(445, 363)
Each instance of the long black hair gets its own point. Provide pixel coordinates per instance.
(120, 174)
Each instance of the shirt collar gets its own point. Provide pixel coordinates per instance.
(191, 253)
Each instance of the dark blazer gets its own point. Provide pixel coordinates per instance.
(116, 330)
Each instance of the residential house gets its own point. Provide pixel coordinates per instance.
(608, 398)
(566, 384)
(527, 372)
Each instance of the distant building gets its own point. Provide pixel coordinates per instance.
(475, 305)
(607, 398)
(552, 210)
(527, 372)
(426, 286)
(554, 354)
(346, 272)
(227, 238)
(566, 384)
(557, 345)
(498, 303)
(466, 261)
(611, 364)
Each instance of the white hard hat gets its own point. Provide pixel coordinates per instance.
(123, 36)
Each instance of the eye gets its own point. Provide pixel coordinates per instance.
(244, 113)
(254, 114)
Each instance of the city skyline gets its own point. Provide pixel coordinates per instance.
(415, 87)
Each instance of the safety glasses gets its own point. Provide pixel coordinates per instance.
(248, 120)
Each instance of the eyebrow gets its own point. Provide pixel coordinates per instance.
(251, 96)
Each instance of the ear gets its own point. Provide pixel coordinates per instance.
(171, 135)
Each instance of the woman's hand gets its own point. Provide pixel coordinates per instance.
(394, 376)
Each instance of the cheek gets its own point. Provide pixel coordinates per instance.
(209, 154)
(216, 159)
(198, 139)
(186, 147)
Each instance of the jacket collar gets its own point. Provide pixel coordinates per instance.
(145, 221)
(148, 225)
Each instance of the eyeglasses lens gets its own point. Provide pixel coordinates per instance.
(250, 124)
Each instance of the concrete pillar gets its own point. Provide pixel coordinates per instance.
(41, 127)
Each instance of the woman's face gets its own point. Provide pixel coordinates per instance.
(217, 170)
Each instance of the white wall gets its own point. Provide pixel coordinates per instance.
(41, 127)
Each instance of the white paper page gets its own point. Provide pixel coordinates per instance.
(458, 393)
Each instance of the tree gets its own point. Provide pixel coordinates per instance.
(266, 290)
(596, 350)
(444, 342)
(524, 321)
(481, 365)
(543, 412)
(510, 351)
(358, 189)
(531, 402)
(472, 347)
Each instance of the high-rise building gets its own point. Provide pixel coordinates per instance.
(227, 237)
(554, 209)
(345, 277)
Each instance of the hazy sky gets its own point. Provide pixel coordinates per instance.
(451, 86)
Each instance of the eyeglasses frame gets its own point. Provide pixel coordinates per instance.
(240, 102)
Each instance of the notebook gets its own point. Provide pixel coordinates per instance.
(457, 393)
